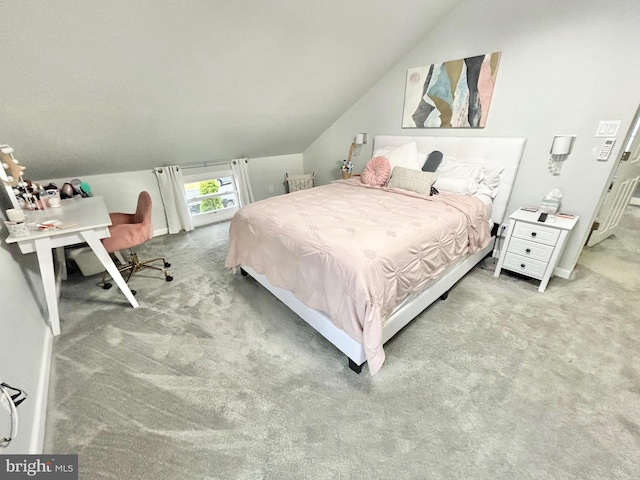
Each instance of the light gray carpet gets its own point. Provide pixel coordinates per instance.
(213, 378)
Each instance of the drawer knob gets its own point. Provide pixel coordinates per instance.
(522, 265)
(533, 234)
(528, 250)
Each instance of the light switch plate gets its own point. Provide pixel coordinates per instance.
(608, 128)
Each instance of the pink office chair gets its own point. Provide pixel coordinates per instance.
(128, 230)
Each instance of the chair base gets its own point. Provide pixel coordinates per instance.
(135, 265)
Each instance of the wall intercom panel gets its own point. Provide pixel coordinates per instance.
(605, 151)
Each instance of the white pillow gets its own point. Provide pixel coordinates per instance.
(490, 175)
(451, 168)
(405, 156)
(486, 190)
(422, 157)
(466, 186)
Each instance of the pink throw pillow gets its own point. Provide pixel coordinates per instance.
(377, 172)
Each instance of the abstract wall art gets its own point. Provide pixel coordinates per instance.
(453, 94)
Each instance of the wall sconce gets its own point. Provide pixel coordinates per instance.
(560, 150)
(360, 139)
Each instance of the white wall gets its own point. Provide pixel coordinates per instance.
(270, 171)
(120, 192)
(25, 343)
(565, 66)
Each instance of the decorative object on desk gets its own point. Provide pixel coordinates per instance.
(551, 202)
(560, 149)
(81, 188)
(67, 191)
(85, 189)
(28, 194)
(17, 230)
(12, 166)
(67, 225)
(52, 198)
(452, 94)
(15, 215)
(48, 224)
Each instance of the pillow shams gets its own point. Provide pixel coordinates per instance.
(412, 180)
(492, 176)
(465, 186)
(453, 169)
(489, 180)
(404, 156)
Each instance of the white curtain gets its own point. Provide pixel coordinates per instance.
(174, 198)
(240, 168)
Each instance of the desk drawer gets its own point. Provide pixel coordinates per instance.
(536, 233)
(532, 250)
(526, 266)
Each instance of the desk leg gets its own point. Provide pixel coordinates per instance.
(62, 262)
(96, 245)
(45, 261)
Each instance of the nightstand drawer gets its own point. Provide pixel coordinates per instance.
(532, 250)
(536, 233)
(526, 266)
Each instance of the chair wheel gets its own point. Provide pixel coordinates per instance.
(133, 292)
(107, 286)
(168, 278)
(167, 264)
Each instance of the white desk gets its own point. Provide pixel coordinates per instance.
(93, 221)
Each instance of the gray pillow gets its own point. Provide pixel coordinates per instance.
(412, 180)
(433, 161)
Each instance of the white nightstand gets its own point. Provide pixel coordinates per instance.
(533, 248)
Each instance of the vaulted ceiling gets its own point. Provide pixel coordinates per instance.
(97, 87)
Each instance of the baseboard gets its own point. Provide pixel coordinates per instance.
(635, 201)
(562, 273)
(36, 445)
(161, 231)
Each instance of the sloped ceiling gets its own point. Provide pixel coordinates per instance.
(92, 87)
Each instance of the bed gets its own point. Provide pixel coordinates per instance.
(358, 262)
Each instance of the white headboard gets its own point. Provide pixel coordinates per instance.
(495, 151)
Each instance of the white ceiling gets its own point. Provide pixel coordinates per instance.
(106, 86)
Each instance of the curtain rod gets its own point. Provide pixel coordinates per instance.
(205, 164)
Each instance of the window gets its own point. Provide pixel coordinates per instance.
(211, 197)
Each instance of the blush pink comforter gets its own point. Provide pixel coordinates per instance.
(354, 251)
